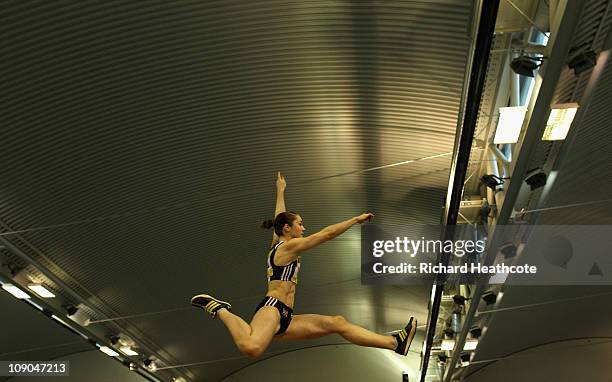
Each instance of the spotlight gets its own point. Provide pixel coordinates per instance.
(465, 359)
(442, 358)
(524, 66)
(448, 334)
(71, 309)
(124, 343)
(491, 181)
(459, 299)
(150, 365)
(131, 365)
(489, 297)
(485, 210)
(475, 331)
(78, 314)
(583, 62)
(536, 178)
(508, 250)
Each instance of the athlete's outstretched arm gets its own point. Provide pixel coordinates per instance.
(281, 184)
(298, 245)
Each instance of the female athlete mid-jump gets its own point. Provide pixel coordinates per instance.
(274, 317)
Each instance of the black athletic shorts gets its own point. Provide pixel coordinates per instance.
(286, 313)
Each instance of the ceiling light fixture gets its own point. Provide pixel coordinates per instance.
(40, 290)
(108, 351)
(559, 121)
(447, 345)
(127, 350)
(470, 344)
(15, 291)
(509, 124)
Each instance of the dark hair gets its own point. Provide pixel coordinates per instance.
(279, 222)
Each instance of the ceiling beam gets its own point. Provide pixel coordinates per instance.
(461, 157)
(544, 88)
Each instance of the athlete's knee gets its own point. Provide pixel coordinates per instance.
(251, 348)
(254, 351)
(338, 323)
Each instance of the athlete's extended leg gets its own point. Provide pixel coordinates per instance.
(252, 339)
(309, 326)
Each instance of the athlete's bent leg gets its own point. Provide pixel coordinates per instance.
(237, 327)
(309, 326)
(254, 338)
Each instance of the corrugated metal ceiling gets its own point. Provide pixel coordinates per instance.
(164, 123)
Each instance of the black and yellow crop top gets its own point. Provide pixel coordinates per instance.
(287, 272)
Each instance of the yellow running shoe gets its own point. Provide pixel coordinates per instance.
(210, 304)
(405, 336)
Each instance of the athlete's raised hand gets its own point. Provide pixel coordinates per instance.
(280, 182)
(367, 217)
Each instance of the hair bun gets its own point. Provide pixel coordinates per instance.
(267, 224)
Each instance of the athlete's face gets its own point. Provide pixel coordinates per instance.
(297, 229)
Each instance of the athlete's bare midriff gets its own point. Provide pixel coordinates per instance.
(282, 290)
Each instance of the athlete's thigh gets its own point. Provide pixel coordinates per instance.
(265, 324)
(306, 327)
